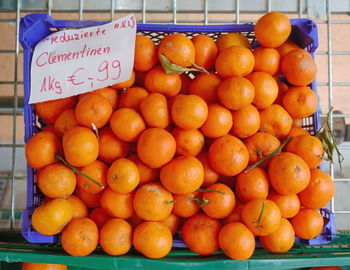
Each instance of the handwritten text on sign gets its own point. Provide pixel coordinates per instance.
(71, 62)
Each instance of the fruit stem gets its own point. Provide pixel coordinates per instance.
(94, 128)
(75, 170)
(210, 190)
(260, 216)
(269, 156)
(199, 202)
(326, 136)
(170, 202)
(202, 69)
(259, 153)
(170, 67)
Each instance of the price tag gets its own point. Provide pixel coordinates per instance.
(71, 62)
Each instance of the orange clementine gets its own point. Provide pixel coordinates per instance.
(245, 122)
(185, 204)
(182, 175)
(153, 202)
(210, 176)
(99, 216)
(299, 67)
(267, 60)
(132, 97)
(123, 176)
(145, 54)
(188, 142)
(272, 29)
(252, 185)
(56, 181)
(153, 239)
(51, 217)
(319, 191)
(288, 204)
(275, 120)
(219, 200)
(50, 110)
(236, 93)
(288, 173)
(309, 148)
(97, 170)
(205, 51)
(117, 204)
(107, 92)
(93, 109)
(43, 266)
(307, 223)
(205, 85)
(235, 215)
(110, 146)
(65, 121)
(282, 89)
(79, 208)
(234, 61)
(115, 237)
(172, 221)
(228, 155)
(261, 216)
(200, 234)
(279, 241)
(127, 124)
(157, 80)
(41, 149)
(178, 49)
(232, 39)
(286, 47)
(296, 131)
(154, 109)
(260, 145)
(189, 111)
(237, 241)
(80, 237)
(300, 102)
(91, 200)
(147, 174)
(156, 147)
(219, 121)
(80, 146)
(266, 89)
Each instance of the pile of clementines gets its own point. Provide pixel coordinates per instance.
(204, 141)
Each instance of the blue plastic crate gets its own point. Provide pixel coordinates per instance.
(35, 27)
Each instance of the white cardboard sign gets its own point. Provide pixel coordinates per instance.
(71, 62)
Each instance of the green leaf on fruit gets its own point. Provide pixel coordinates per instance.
(173, 68)
(326, 136)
